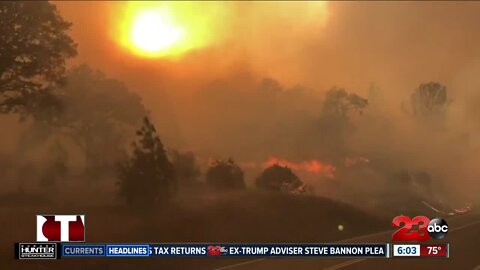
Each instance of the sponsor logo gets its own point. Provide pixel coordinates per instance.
(36, 251)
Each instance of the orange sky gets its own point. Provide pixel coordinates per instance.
(340, 43)
(395, 45)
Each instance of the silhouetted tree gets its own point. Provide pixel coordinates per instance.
(430, 99)
(147, 177)
(335, 121)
(280, 178)
(225, 175)
(95, 115)
(338, 103)
(186, 167)
(34, 46)
(269, 87)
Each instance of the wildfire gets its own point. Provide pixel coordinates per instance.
(282, 162)
(311, 166)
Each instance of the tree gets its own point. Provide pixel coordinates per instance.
(34, 46)
(225, 175)
(339, 103)
(95, 115)
(335, 121)
(269, 87)
(430, 99)
(280, 178)
(147, 177)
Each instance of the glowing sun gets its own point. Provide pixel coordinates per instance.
(164, 29)
(152, 33)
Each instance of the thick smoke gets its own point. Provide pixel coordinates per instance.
(257, 91)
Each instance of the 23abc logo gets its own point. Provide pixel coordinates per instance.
(420, 228)
(216, 250)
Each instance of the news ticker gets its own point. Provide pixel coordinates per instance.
(90, 250)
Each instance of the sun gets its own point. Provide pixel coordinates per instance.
(152, 29)
(166, 29)
(152, 33)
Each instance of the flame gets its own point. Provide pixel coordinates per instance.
(311, 166)
(282, 162)
(317, 167)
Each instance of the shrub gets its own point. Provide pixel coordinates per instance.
(225, 175)
(280, 178)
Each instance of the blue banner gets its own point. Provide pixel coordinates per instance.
(127, 250)
(83, 250)
(225, 250)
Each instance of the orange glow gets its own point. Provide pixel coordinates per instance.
(164, 29)
(282, 162)
(152, 33)
(315, 166)
(312, 166)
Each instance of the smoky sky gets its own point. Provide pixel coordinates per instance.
(350, 43)
(206, 99)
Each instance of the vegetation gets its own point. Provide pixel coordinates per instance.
(225, 175)
(98, 114)
(34, 47)
(147, 177)
(280, 178)
(430, 99)
(339, 103)
(95, 118)
(335, 122)
(34, 82)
